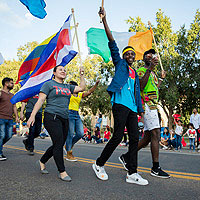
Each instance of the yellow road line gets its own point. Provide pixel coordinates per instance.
(181, 175)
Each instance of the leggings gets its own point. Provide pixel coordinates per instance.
(57, 128)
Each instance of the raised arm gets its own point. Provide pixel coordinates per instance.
(91, 90)
(37, 106)
(106, 27)
(81, 87)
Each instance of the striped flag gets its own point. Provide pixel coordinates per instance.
(97, 42)
(38, 67)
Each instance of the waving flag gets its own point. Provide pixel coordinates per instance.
(58, 51)
(36, 7)
(97, 42)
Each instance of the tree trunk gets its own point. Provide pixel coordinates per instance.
(170, 118)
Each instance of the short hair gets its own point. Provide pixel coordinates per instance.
(149, 51)
(6, 80)
(191, 124)
(73, 83)
(55, 68)
(100, 115)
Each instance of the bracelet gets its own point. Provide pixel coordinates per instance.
(161, 79)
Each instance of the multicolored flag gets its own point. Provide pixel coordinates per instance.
(97, 42)
(36, 7)
(42, 60)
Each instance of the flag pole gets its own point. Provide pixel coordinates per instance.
(149, 23)
(102, 5)
(76, 33)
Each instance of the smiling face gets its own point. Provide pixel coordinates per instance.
(147, 58)
(60, 73)
(129, 56)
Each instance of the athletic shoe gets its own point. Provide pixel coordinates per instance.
(31, 152)
(25, 144)
(165, 148)
(122, 160)
(159, 173)
(70, 157)
(136, 178)
(100, 172)
(2, 158)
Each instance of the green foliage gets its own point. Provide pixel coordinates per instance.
(180, 57)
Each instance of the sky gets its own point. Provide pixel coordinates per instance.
(18, 26)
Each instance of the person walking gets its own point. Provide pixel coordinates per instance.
(149, 85)
(195, 120)
(76, 132)
(126, 104)
(6, 114)
(35, 130)
(57, 95)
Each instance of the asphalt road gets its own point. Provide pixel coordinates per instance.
(20, 178)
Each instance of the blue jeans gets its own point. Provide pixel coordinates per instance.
(192, 143)
(178, 142)
(75, 132)
(6, 130)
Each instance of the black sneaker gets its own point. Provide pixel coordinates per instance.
(25, 144)
(31, 152)
(159, 173)
(122, 160)
(2, 158)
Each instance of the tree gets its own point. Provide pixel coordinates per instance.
(180, 57)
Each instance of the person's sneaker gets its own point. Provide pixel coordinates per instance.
(100, 172)
(159, 173)
(25, 144)
(122, 160)
(136, 178)
(165, 148)
(31, 152)
(2, 158)
(70, 157)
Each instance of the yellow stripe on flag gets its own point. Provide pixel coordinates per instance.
(141, 42)
(47, 40)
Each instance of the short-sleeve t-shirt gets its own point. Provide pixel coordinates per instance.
(178, 130)
(150, 93)
(75, 101)
(165, 136)
(58, 97)
(107, 134)
(31, 103)
(191, 133)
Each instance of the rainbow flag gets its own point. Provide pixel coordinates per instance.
(38, 67)
(30, 65)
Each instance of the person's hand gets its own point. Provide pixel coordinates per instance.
(82, 71)
(102, 13)
(163, 74)
(142, 118)
(22, 116)
(30, 121)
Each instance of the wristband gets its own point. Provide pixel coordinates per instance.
(161, 79)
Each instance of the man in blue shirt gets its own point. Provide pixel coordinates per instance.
(126, 104)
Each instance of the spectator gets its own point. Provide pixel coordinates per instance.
(97, 136)
(172, 141)
(107, 134)
(98, 122)
(6, 114)
(141, 130)
(178, 132)
(124, 140)
(195, 120)
(165, 138)
(88, 137)
(192, 134)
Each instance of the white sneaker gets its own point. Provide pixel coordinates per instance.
(100, 172)
(136, 178)
(165, 148)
